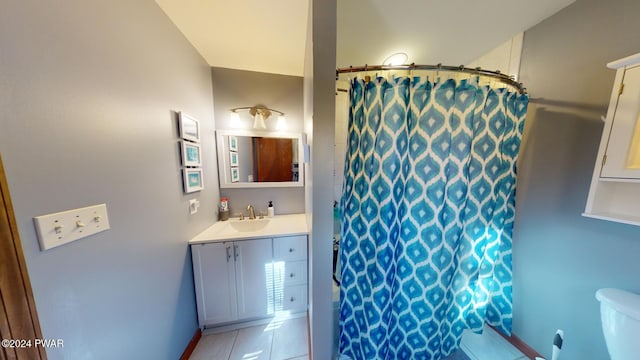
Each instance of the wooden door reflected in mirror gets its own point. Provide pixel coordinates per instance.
(273, 159)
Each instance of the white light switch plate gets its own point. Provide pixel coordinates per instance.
(194, 204)
(67, 226)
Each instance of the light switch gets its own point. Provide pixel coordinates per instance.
(67, 226)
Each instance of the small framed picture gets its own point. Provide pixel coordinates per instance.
(235, 174)
(189, 127)
(233, 143)
(233, 158)
(193, 180)
(191, 154)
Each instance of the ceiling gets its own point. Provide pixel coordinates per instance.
(257, 35)
(269, 36)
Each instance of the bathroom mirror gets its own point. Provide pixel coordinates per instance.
(254, 159)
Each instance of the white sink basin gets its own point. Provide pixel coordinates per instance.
(248, 225)
(236, 229)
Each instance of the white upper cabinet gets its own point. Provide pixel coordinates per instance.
(614, 194)
(623, 146)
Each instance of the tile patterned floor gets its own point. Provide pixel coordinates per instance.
(287, 340)
(278, 340)
(489, 346)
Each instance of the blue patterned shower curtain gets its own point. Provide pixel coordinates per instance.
(429, 205)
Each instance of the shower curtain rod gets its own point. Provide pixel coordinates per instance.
(474, 71)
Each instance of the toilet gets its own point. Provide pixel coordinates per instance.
(620, 315)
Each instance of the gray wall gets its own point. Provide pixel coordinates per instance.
(320, 64)
(560, 257)
(88, 94)
(239, 88)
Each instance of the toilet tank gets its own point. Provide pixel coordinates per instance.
(620, 315)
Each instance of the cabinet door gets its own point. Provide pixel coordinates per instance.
(215, 281)
(254, 278)
(623, 146)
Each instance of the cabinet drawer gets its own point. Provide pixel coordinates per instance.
(295, 273)
(295, 298)
(290, 248)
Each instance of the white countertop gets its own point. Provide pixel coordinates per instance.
(279, 225)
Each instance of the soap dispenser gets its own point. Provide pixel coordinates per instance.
(270, 209)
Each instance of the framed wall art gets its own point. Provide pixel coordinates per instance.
(235, 174)
(189, 127)
(233, 158)
(191, 154)
(233, 143)
(193, 180)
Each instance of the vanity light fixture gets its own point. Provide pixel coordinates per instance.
(260, 114)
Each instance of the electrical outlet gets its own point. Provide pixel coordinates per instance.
(67, 226)
(194, 204)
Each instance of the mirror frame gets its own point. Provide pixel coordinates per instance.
(223, 161)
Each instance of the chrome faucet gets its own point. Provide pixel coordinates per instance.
(252, 213)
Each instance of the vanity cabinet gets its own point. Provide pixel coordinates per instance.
(232, 280)
(220, 290)
(245, 280)
(614, 194)
(290, 260)
(254, 269)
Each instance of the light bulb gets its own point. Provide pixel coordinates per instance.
(282, 123)
(258, 121)
(234, 119)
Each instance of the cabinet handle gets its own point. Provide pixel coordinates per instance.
(292, 275)
(236, 251)
(291, 250)
(292, 299)
(228, 253)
